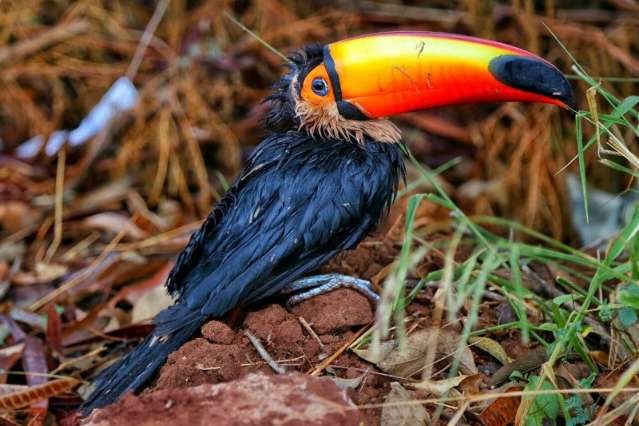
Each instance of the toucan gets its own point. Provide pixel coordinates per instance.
(323, 176)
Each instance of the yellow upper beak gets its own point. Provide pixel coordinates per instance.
(384, 74)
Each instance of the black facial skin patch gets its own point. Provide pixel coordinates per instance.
(332, 73)
(350, 111)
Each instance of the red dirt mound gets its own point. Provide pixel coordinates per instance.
(257, 399)
(224, 354)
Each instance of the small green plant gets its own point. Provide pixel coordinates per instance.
(544, 409)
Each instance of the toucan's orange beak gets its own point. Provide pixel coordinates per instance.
(389, 73)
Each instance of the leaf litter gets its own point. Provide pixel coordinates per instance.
(138, 180)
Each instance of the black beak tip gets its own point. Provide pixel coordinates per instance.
(533, 75)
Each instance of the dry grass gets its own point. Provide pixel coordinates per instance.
(79, 229)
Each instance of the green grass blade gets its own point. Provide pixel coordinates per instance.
(519, 307)
(582, 161)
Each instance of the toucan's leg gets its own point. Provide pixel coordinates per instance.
(308, 287)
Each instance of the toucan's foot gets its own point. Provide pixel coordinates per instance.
(308, 287)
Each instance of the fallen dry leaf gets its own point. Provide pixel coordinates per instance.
(54, 329)
(491, 347)
(368, 354)
(17, 215)
(345, 384)
(42, 273)
(4, 269)
(99, 197)
(49, 271)
(115, 223)
(16, 332)
(148, 296)
(405, 363)
(610, 380)
(472, 384)
(600, 357)
(7, 389)
(398, 414)
(34, 363)
(28, 395)
(29, 318)
(9, 356)
(439, 387)
(150, 304)
(502, 411)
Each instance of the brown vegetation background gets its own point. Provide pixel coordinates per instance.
(132, 195)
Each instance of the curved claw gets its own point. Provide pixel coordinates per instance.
(309, 287)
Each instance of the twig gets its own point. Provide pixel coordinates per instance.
(54, 35)
(394, 12)
(49, 297)
(458, 415)
(160, 238)
(201, 367)
(282, 362)
(80, 247)
(257, 37)
(310, 331)
(473, 398)
(264, 354)
(317, 370)
(70, 362)
(59, 202)
(146, 38)
(627, 408)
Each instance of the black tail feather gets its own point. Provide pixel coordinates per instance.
(174, 326)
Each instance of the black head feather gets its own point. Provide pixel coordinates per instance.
(281, 116)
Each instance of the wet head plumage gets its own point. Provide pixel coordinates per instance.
(298, 104)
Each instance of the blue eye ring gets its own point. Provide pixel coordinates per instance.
(319, 86)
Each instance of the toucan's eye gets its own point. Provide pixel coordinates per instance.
(316, 88)
(320, 87)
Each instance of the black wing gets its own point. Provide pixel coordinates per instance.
(193, 250)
